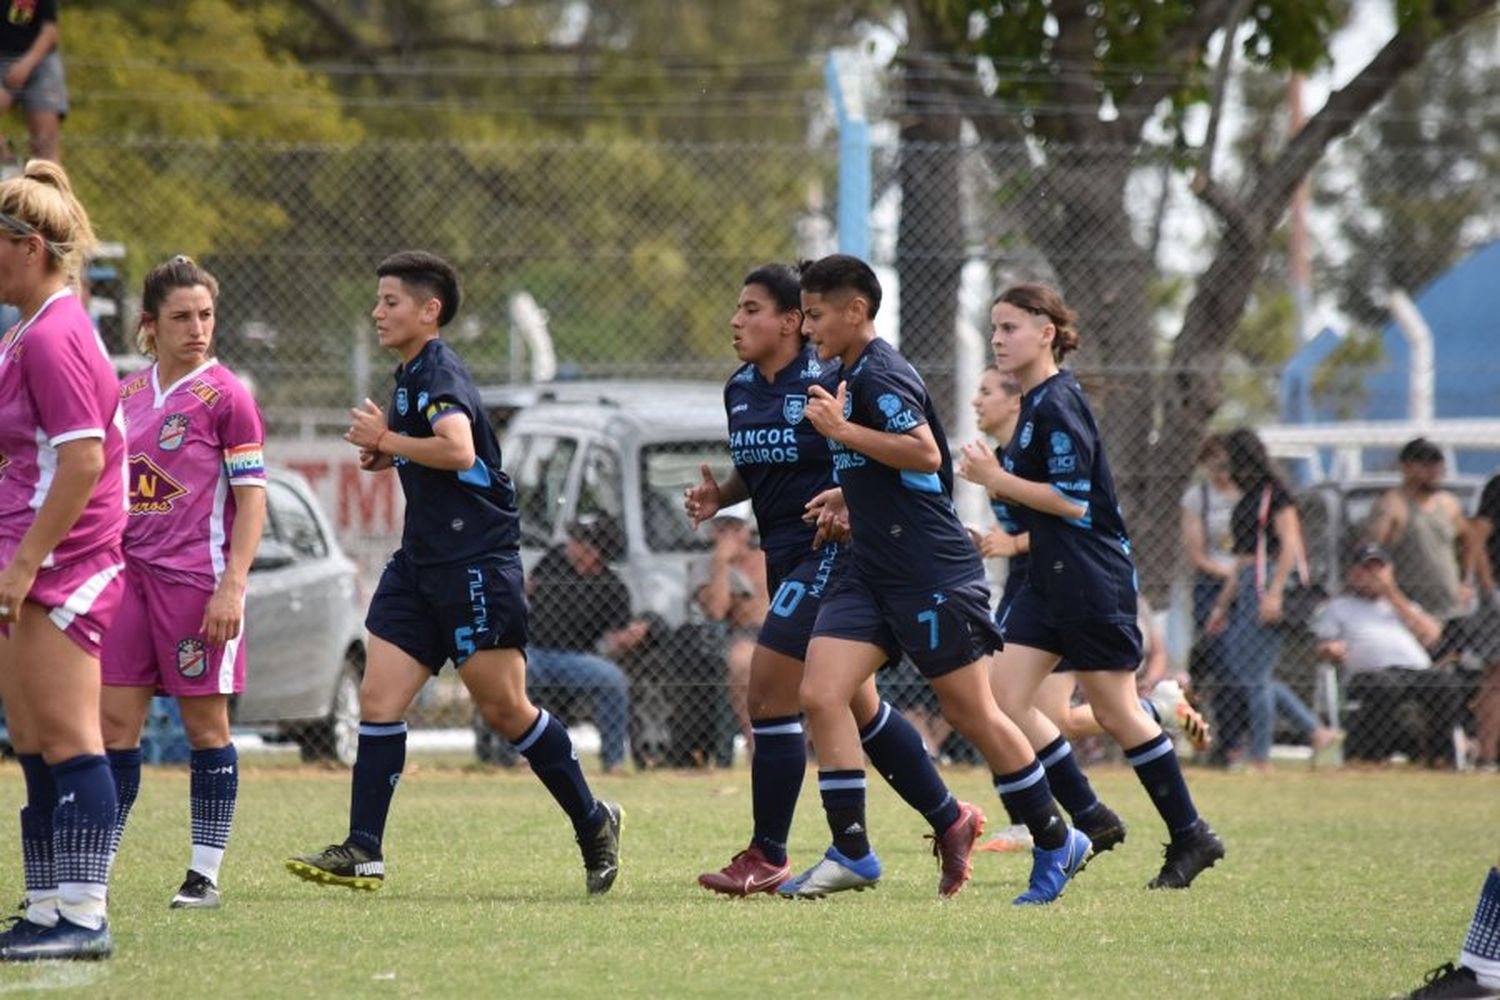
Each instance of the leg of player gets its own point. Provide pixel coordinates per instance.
(40, 904)
(56, 688)
(896, 750)
(496, 678)
(836, 669)
(778, 763)
(1477, 974)
(1018, 676)
(213, 791)
(1019, 777)
(1194, 845)
(122, 715)
(392, 679)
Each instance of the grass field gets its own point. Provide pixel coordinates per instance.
(1336, 885)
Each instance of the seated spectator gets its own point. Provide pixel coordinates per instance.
(580, 627)
(1395, 700)
(729, 587)
(32, 72)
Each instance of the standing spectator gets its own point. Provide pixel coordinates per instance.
(33, 73)
(1484, 556)
(1207, 506)
(581, 627)
(1382, 639)
(1423, 527)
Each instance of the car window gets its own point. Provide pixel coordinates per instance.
(667, 470)
(539, 467)
(601, 491)
(294, 523)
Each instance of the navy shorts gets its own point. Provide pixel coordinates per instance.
(797, 587)
(941, 628)
(1083, 645)
(450, 611)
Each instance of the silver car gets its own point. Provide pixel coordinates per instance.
(304, 627)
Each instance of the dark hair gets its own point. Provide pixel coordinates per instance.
(1213, 444)
(428, 273)
(1007, 382)
(602, 533)
(1420, 451)
(783, 282)
(1041, 300)
(161, 281)
(840, 272)
(1249, 463)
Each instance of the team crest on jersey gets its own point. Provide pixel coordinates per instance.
(848, 404)
(402, 404)
(813, 369)
(1026, 435)
(205, 392)
(793, 407)
(192, 658)
(133, 386)
(151, 489)
(173, 431)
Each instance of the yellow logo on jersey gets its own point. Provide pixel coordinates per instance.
(151, 489)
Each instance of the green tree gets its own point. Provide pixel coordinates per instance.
(1076, 86)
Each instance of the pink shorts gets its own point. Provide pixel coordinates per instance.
(81, 597)
(156, 641)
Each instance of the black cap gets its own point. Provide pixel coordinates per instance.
(1420, 451)
(1369, 553)
(603, 533)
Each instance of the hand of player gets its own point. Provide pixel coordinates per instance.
(374, 461)
(997, 543)
(15, 584)
(367, 423)
(1269, 612)
(832, 526)
(977, 464)
(825, 412)
(702, 501)
(224, 615)
(829, 499)
(16, 76)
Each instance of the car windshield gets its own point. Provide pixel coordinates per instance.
(667, 470)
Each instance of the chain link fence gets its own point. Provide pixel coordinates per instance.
(621, 262)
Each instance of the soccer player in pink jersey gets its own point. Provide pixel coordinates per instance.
(62, 511)
(197, 504)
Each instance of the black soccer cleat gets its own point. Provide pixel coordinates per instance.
(1103, 826)
(1190, 851)
(198, 892)
(66, 940)
(346, 864)
(1452, 982)
(601, 850)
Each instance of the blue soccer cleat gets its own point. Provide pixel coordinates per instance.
(66, 940)
(833, 873)
(1050, 870)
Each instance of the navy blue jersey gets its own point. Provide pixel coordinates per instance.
(1009, 521)
(450, 516)
(781, 457)
(1081, 566)
(906, 533)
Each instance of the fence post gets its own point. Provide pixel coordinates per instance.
(854, 164)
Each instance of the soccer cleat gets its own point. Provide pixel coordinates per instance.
(1452, 982)
(1103, 826)
(954, 847)
(1050, 870)
(1177, 716)
(747, 873)
(1191, 851)
(20, 929)
(601, 850)
(1010, 839)
(198, 892)
(346, 864)
(66, 940)
(833, 873)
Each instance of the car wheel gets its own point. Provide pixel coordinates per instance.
(336, 738)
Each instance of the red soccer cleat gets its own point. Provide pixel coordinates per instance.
(955, 846)
(747, 873)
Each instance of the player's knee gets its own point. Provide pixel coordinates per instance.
(507, 716)
(818, 696)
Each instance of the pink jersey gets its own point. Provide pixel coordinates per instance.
(190, 443)
(56, 386)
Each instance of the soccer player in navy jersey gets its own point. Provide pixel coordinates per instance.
(453, 591)
(1078, 600)
(915, 584)
(780, 463)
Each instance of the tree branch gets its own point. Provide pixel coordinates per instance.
(1220, 85)
(1182, 45)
